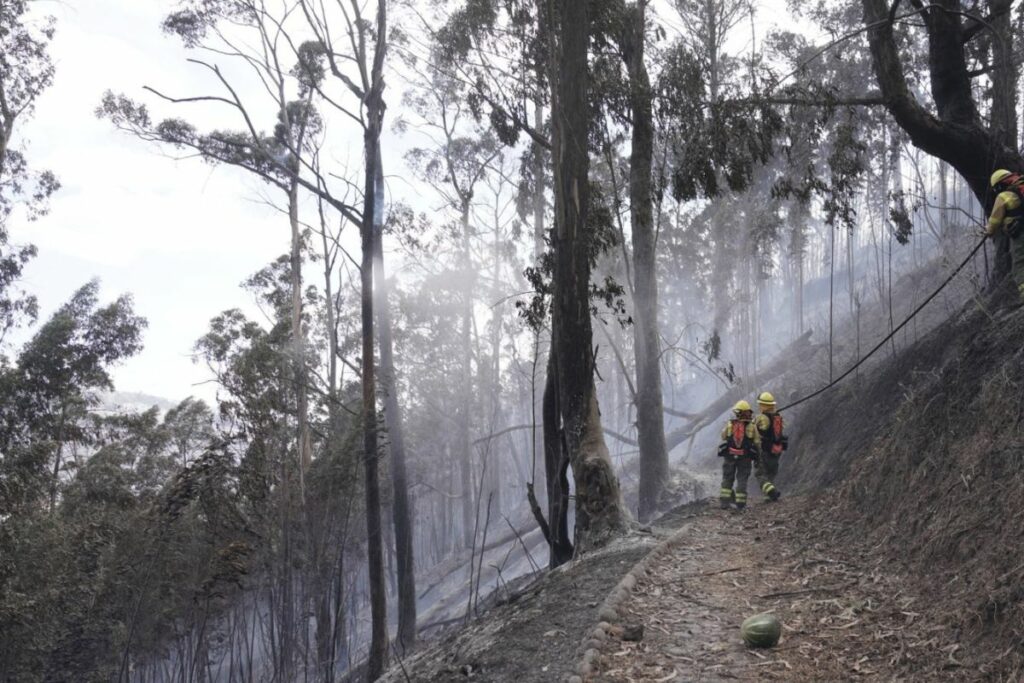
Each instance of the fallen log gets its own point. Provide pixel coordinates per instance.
(798, 349)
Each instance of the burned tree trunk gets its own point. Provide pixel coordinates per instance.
(556, 466)
(374, 102)
(600, 513)
(374, 540)
(466, 393)
(402, 512)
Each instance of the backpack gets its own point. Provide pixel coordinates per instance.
(1013, 224)
(774, 441)
(739, 445)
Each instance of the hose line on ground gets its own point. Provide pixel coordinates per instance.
(892, 334)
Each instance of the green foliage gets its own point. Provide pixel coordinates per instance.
(138, 548)
(269, 156)
(25, 72)
(899, 214)
(601, 236)
(716, 145)
(512, 28)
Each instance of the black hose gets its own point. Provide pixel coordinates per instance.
(892, 334)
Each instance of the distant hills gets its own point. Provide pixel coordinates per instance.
(135, 402)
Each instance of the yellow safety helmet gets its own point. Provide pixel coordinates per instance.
(999, 176)
(741, 407)
(766, 399)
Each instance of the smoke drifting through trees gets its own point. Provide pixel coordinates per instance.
(568, 220)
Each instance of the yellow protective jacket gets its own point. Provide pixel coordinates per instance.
(1006, 210)
(750, 446)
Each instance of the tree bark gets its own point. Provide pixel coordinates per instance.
(799, 349)
(58, 454)
(401, 507)
(539, 179)
(466, 393)
(495, 416)
(600, 514)
(303, 443)
(556, 465)
(1004, 100)
(650, 422)
(328, 612)
(956, 135)
(374, 103)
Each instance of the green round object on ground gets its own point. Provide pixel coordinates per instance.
(761, 630)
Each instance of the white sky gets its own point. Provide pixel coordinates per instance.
(178, 235)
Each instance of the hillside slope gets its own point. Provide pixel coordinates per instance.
(919, 464)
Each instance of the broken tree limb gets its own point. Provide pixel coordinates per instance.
(679, 413)
(797, 349)
(804, 591)
(698, 421)
(620, 437)
(538, 514)
(503, 432)
(440, 573)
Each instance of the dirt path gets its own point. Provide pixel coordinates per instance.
(844, 618)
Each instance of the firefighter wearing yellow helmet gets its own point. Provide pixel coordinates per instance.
(1008, 216)
(740, 447)
(771, 430)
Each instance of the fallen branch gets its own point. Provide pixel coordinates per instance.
(725, 571)
(822, 589)
(796, 350)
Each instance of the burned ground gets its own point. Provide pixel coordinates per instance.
(926, 456)
(531, 635)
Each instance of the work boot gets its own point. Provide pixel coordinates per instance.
(740, 507)
(724, 504)
(774, 495)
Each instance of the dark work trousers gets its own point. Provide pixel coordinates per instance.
(766, 469)
(735, 473)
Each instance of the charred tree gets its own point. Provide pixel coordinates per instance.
(374, 104)
(466, 397)
(401, 507)
(556, 469)
(600, 513)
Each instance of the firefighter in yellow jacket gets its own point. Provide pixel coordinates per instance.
(771, 430)
(1008, 216)
(740, 448)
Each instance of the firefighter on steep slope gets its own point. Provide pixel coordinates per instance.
(740, 448)
(771, 430)
(1008, 216)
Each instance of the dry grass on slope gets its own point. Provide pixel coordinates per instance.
(922, 465)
